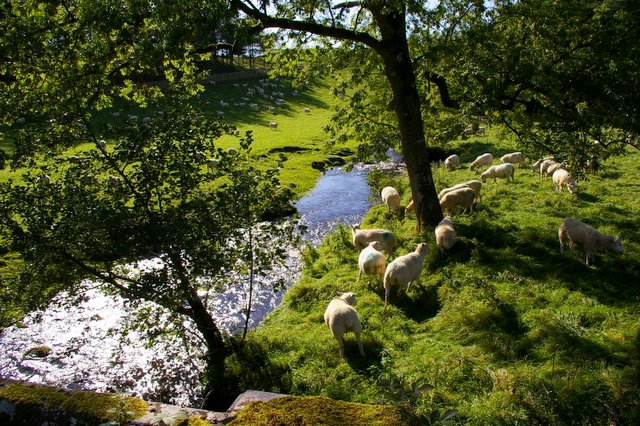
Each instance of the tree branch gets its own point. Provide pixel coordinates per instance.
(267, 21)
(441, 82)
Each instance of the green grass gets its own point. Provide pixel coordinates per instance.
(505, 330)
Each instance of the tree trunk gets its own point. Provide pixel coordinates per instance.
(398, 67)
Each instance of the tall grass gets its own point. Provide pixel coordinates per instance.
(503, 330)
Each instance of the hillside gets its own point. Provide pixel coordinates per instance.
(503, 330)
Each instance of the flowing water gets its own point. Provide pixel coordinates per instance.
(90, 351)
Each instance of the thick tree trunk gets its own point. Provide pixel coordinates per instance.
(406, 104)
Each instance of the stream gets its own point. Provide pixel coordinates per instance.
(90, 350)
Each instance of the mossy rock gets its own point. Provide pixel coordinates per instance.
(320, 411)
(36, 404)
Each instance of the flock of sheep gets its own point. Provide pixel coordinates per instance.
(341, 317)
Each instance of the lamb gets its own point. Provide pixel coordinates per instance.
(411, 207)
(503, 171)
(403, 270)
(362, 237)
(452, 162)
(391, 198)
(462, 197)
(592, 240)
(371, 261)
(445, 235)
(561, 178)
(340, 317)
(513, 158)
(482, 160)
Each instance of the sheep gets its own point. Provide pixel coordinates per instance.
(592, 240)
(561, 178)
(223, 103)
(503, 171)
(482, 160)
(476, 186)
(146, 119)
(232, 151)
(535, 167)
(273, 125)
(236, 132)
(445, 235)
(307, 110)
(340, 317)
(403, 270)
(411, 207)
(513, 158)
(253, 106)
(362, 237)
(461, 197)
(212, 163)
(45, 179)
(220, 115)
(391, 198)
(451, 188)
(102, 144)
(545, 165)
(553, 167)
(371, 261)
(452, 162)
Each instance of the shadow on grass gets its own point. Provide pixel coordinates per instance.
(373, 354)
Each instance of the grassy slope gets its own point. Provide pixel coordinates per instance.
(504, 330)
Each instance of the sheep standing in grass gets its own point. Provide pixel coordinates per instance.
(371, 261)
(513, 158)
(391, 198)
(403, 270)
(578, 232)
(561, 178)
(503, 171)
(545, 165)
(462, 197)
(482, 160)
(362, 237)
(452, 162)
(341, 317)
(476, 186)
(553, 167)
(445, 235)
(411, 207)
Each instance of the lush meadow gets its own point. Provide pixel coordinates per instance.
(503, 330)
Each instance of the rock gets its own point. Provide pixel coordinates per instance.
(250, 396)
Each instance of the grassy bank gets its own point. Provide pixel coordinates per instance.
(505, 330)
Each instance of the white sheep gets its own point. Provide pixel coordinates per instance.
(411, 207)
(561, 178)
(404, 269)
(462, 197)
(371, 261)
(236, 132)
(102, 144)
(535, 167)
(503, 171)
(307, 110)
(273, 125)
(545, 165)
(232, 151)
(513, 158)
(476, 186)
(390, 198)
(553, 167)
(362, 237)
(452, 162)
(341, 317)
(451, 188)
(481, 160)
(592, 240)
(445, 235)
(212, 163)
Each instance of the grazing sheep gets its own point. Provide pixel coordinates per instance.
(232, 151)
(476, 186)
(403, 270)
(451, 188)
(236, 132)
(452, 162)
(513, 158)
(503, 171)
(273, 125)
(462, 197)
(592, 240)
(102, 144)
(371, 261)
(307, 110)
(545, 165)
(391, 198)
(445, 235)
(482, 160)
(212, 163)
(561, 178)
(362, 237)
(341, 317)
(411, 207)
(553, 167)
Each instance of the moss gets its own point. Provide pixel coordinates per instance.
(86, 407)
(320, 411)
